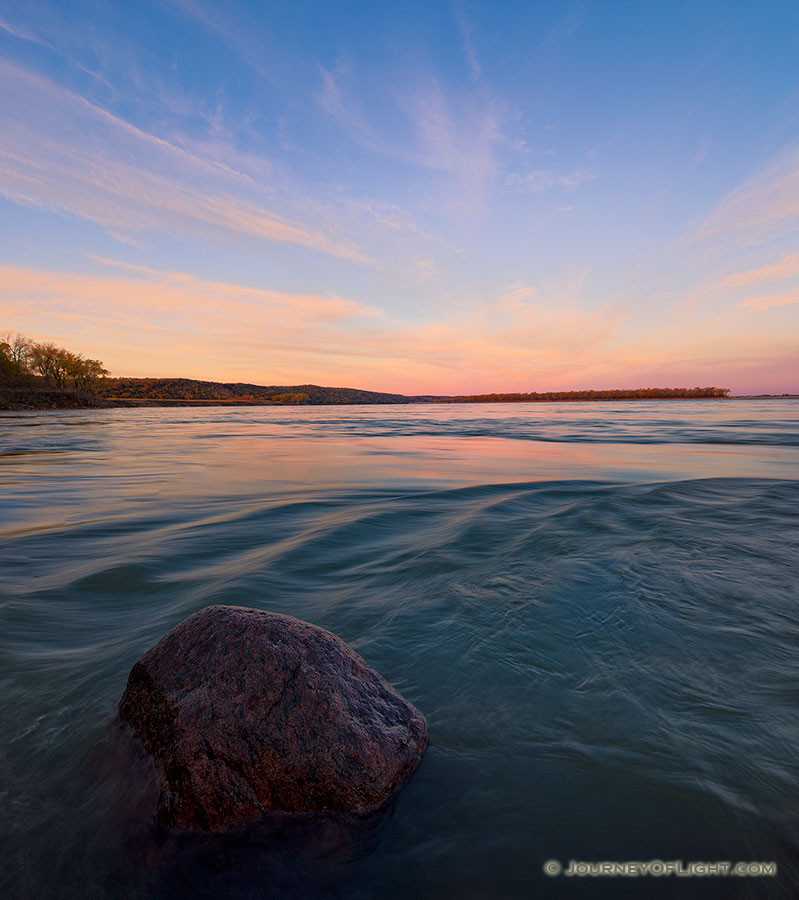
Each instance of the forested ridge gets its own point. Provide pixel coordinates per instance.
(190, 389)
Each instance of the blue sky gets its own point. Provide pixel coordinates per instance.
(410, 196)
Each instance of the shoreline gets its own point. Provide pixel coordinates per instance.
(94, 402)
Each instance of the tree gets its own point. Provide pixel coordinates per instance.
(14, 351)
(61, 367)
(47, 360)
(21, 358)
(85, 373)
(18, 348)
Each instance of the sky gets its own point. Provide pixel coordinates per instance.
(431, 197)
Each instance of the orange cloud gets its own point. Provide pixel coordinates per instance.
(787, 267)
(162, 293)
(143, 321)
(758, 303)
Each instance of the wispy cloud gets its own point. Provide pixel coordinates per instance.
(331, 98)
(466, 31)
(768, 302)
(456, 135)
(75, 157)
(145, 321)
(321, 307)
(137, 319)
(21, 33)
(180, 291)
(543, 180)
(234, 35)
(786, 267)
(396, 241)
(64, 153)
(727, 288)
(762, 208)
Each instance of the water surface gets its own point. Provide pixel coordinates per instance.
(595, 605)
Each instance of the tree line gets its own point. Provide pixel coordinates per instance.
(622, 394)
(22, 360)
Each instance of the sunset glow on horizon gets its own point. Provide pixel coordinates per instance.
(415, 198)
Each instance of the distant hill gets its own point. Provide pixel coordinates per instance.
(188, 389)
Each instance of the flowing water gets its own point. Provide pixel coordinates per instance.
(595, 605)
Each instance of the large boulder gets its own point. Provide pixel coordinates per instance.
(249, 712)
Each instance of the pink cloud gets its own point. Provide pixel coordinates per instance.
(76, 158)
(760, 303)
(786, 267)
(143, 321)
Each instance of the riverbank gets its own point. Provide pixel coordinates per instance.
(35, 398)
(21, 400)
(20, 397)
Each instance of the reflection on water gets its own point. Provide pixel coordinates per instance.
(595, 606)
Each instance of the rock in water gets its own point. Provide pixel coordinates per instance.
(249, 712)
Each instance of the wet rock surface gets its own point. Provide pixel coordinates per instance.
(248, 713)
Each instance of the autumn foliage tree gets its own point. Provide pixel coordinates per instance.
(14, 350)
(21, 358)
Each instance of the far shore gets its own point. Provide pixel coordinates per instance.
(123, 402)
(21, 401)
